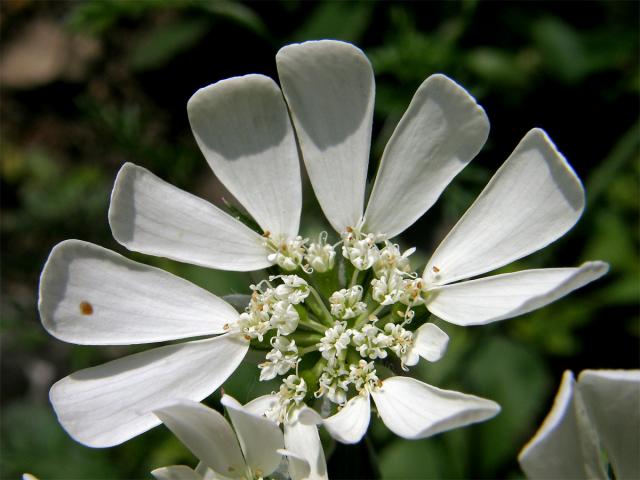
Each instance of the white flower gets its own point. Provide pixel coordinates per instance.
(601, 411)
(387, 289)
(282, 358)
(284, 317)
(335, 340)
(244, 130)
(371, 342)
(251, 449)
(92, 296)
(321, 256)
(345, 303)
(428, 342)
(301, 438)
(293, 289)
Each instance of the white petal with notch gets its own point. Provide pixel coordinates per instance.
(489, 299)
(243, 129)
(429, 342)
(93, 296)
(151, 216)
(350, 424)
(440, 133)
(412, 409)
(532, 200)
(111, 403)
(330, 90)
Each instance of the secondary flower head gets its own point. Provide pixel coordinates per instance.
(600, 412)
(252, 449)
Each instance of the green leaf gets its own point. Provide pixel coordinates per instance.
(34, 442)
(519, 380)
(562, 49)
(340, 20)
(159, 46)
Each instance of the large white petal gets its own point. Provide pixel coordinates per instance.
(412, 409)
(151, 216)
(612, 400)
(350, 424)
(243, 129)
(532, 200)
(207, 434)
(304, 441)
(499, 297)
(176, 472)
(259, 437)
(330, 89)
(564, 446)
(429, 342)
(106, 405)
(91, 295)
(439, 134)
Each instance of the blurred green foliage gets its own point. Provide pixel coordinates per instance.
(569, 67)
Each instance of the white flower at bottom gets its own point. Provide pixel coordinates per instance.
(252, 451)
(601, 411)
(92, 296)
(301, 439)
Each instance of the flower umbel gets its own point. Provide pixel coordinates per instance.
(337, 318)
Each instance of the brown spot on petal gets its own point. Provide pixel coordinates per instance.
(86, 308)
(435, 269)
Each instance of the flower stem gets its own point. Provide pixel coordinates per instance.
(354, 278)
(365, 316)
(319, 308)
(313, 325)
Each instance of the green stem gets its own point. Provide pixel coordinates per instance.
(354, 277)
(362, 319)
(319, 308)
(310, 348)
(313, 325)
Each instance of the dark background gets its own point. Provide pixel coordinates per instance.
(86, 86)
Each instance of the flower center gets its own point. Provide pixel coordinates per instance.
(337, 321)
